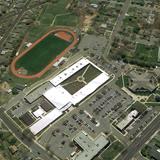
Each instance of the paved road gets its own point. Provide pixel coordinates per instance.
(10, 29)
(140, 141)
(117, 27)
(36, 149)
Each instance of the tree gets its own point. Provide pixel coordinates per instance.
(157, 98)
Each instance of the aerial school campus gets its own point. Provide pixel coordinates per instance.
(61, 93)
(78, 86)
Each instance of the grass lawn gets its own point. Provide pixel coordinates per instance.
(52, 10)
(126, 80)
(42, 54)
(138, 106)
(47, 17)
(119, 82)
(66, 20)
(112, 151)
(36, 32)
(151, 98)
(72, 85)
(91, 73)
(146, 53)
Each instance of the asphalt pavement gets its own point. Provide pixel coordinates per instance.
(140, 140)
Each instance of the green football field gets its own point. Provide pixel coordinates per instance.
(36, 59)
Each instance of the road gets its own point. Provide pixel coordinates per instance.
(117, 27)
(10, 29)
(140, 141)
(36, 149)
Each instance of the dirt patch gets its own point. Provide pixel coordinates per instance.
(4, 87)
(1, 157)
(88, 21)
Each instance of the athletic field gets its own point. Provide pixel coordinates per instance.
(42, 54)
(37, 59)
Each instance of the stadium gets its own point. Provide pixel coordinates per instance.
(69, 88)
(42, 54)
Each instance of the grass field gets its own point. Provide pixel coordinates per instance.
(42, 54)
(53, 14)
(144, 55)
(66, 20)
(52, 10)
(112, 151)
(81, 78)
(140, 107)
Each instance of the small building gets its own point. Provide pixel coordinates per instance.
(89, 147)
(127, 120)
(13, 149)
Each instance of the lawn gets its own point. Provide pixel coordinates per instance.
(66, 20)
(112, 151)
(140, 107)
(47, 19)
(119, 82)
(42, 54)
(91, 73)
(72, 85)
(144, 55)
(52, 10)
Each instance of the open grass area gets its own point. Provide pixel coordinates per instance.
(36, 32)
(80, 79)
(52, 10)
(42, 54)
(51, 15)
(66, 20)
(112, 151)
(146, 53)
(138, 106)
(74, 87)
(119, 82)
(144, 56)
(91, 73)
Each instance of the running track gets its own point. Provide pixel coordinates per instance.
(38, 75)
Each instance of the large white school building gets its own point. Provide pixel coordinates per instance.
(61, 99)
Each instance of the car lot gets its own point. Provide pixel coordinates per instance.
(93, 116)
(141, 123)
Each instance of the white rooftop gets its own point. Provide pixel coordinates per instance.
(90, 147)
(39, 112)
(127, 120)
(58, 96)
(45, 121)
(89, 88)
(69, 71)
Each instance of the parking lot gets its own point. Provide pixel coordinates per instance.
(142, 121)
(93, 116)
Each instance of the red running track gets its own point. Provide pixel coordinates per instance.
(38, 75)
